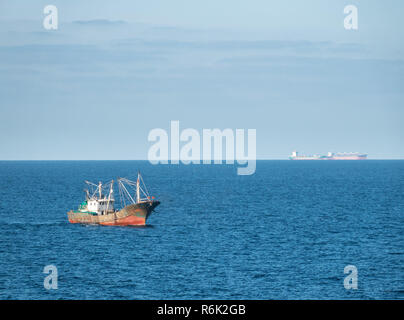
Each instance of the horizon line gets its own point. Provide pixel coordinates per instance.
(223, 160)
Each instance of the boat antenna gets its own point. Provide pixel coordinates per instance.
(100, 188)
(111, 190)
(138, 187)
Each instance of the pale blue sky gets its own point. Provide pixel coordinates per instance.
(114, 70)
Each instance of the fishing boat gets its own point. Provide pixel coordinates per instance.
(99, 207)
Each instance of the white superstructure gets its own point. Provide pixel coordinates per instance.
(100, 204)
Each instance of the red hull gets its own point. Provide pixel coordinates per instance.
(132, 215)
(127, 221)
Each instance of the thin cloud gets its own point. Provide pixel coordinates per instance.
(99, 22)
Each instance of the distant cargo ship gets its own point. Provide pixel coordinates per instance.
(99, 208)
(330, 156)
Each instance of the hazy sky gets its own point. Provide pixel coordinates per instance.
(114, 70)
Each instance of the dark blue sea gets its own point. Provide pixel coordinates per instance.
(286, 232)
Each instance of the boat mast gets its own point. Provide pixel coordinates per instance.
(138, 188)
(100, 189)
(111, 190)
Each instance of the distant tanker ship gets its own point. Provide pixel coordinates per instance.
(330, 156)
